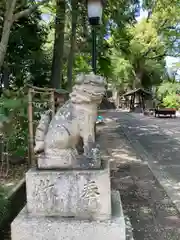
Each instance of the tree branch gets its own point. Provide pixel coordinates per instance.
(150, 11)
(29, 10)
(162, 26)
(158, 57)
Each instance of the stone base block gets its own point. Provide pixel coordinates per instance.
(57, 159)
(26, 227)
(84, 194)
(70, 162)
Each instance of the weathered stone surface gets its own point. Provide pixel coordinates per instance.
(71, 161)
(84, 194)
(40, 228)
(76, 118)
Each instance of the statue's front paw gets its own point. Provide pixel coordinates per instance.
(95, 153)
(39, 148)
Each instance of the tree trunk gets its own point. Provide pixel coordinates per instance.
(1, 87)
(138, 79)
(73, 44)
(5, 76)
(84, 22)
(8, 21)
(57, 63)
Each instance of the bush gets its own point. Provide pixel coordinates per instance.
(14, 121)
(172, 101)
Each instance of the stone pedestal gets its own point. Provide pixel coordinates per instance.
(26, 227)
(71, 161)
(84, 194)
(70, 205)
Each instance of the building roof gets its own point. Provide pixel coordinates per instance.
(60, 91)
(138, 90)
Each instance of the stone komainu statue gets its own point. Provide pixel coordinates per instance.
(57, 138)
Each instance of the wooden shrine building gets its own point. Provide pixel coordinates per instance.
(136, 99)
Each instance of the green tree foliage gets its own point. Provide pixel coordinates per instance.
(141, 47)
(165, 16)
(141, 65)
(14, 121)
(168, 93)
(26, 60)
(172, 101)
(12, 13)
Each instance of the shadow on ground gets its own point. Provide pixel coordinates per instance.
(151, 212)
(163, 151)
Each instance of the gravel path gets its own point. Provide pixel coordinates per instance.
(150, 210)
(157, 147)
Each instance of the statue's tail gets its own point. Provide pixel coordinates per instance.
(41, 131)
